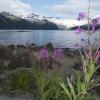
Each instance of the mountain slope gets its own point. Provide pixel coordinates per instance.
(35, 18)
(85, 27)
(10, 21)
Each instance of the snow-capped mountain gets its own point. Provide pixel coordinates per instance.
(36, 21)
(10, 21)
(42, 19)
(9, 15)
(32, 17)
(62, 23)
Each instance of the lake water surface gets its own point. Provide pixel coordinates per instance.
(41, 37)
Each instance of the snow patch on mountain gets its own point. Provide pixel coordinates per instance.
(66, 23)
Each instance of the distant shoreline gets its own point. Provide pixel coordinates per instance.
(33, 30)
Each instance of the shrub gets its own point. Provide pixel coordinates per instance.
(41, 83)
(21, 81)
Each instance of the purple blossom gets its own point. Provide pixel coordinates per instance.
(93, 28)
(43, 53)
(94, 22)
(81, 67)
(82, 40)
(77, 46)
(78, 30)
(98, 62)
(57, 54)
(81, 16)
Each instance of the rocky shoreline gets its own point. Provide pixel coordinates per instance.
(14, 56)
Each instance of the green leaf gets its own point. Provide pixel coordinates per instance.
(78, 83)
(83, 86)
(87, 77)
(62, 84)
(71, 88)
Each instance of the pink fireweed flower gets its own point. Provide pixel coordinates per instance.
(98, 62)
(93, 28)
(57, 54)
(78, 30)
(96, 55)
(43, 53)
(77, 46)
(81, 16)
(94, 22)
(81, 67)
(82, 40)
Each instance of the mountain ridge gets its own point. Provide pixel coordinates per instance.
(10, 21)
(36, 22)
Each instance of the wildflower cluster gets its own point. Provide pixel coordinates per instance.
(91, 29)
(43, 53)
(92, 24)
(56, 55)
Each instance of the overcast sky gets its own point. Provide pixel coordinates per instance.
(57, 8)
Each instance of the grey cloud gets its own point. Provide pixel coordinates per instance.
(15, 6)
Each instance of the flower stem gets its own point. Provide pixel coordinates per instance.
(89, 16)
(89, 32)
